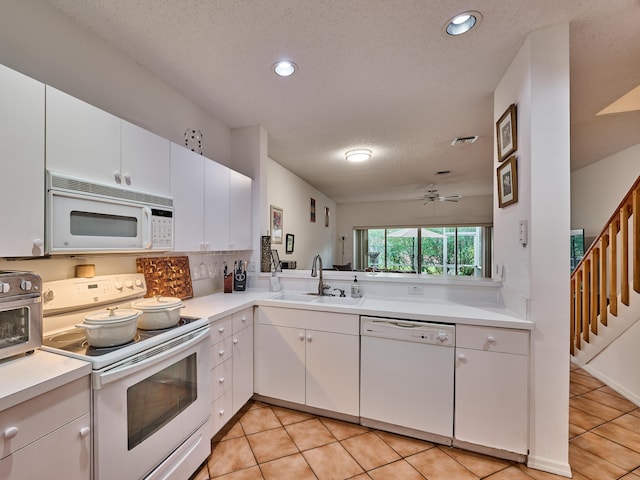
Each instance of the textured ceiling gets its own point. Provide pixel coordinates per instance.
(377, 74)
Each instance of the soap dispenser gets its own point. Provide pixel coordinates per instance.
(355, 288)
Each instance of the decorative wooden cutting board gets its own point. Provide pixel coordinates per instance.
(166, 276)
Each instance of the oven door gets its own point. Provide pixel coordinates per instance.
(20, 326)
(146, 407)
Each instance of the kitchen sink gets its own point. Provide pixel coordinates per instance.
(315, 298)
(295, 297)
(339, 300)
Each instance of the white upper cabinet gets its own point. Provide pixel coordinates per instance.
(145, 160)
(187, 190)
(216, 206)
(240, 211)
(82, 140)
(22, 159)
(87, 142)
(212, 204)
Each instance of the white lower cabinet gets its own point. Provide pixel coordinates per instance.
(48, 436)
(231, 363)
(491, 387)
(308, 357)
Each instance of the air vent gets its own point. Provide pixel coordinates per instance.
(460, 140)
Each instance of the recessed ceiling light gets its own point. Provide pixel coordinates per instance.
(285, 68)
(358, 155)
(462, 23)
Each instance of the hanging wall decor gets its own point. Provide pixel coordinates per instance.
(507, 183)
(193, 140)
(507, 133)
(276, 224)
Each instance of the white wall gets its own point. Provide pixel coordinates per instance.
(538, 82)
(292, 194)
(37, 40)
(597, 189)
(468, 211)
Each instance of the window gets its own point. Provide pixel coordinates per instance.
(462, 251)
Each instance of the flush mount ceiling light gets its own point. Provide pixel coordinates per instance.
(358, 155)
(462, 23)
(285, 68)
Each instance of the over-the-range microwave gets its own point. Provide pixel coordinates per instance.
(83, 216)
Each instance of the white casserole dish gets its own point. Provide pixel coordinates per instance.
(110, 329)
(158, 312)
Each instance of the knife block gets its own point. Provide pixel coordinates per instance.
(228, 283)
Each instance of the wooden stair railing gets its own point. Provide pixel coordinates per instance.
(594, 282)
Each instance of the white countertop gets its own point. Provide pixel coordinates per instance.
(25, 377)
(220, 304)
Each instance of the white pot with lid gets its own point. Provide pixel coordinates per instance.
(158, 312)
(110, 327)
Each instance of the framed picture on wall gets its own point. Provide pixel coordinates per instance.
(507, 183)
(312, 210)
(289, 244)
(276, 224)
(326, 216)
(507, 134)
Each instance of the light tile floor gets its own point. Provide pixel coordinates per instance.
(272, 443)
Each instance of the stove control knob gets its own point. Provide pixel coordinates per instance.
(118, 285)
(48, 295)
(138, 282)
(4, 287)
(128, 284)
(26, 285)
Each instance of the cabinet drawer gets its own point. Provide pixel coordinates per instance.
(221, 379)
(220, 330)
(220, 412)
(242, 319)
(220, 352)
(505, 340)
(310, 320)
(35, 418)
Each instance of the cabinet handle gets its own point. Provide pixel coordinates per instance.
(85, 431)
(221, 352)
(235, 341)
(301, 336)
(118, 176)
(221, 380)
(244, 319)
(491, 339)
(309, 338)
(221, 330)
(462, 358)
(10, 432)
(127, 178)
(37, 242)
(221, 413)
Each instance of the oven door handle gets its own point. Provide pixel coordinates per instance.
(142, 360)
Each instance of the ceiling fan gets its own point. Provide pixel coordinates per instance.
(432, 196)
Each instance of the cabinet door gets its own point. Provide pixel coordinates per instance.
(491, 399)
(22, 179)
(280, 363)
(146, 160)
(64, 453)
(240, 211)
(242, 367)
(82, 140)
(216, 206)
(187, 190)
(333, 373)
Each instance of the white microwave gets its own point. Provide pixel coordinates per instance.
(87, 217)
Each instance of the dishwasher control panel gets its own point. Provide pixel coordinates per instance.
(408, 330)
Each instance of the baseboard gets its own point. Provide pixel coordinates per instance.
(550, 466)
(632, 397)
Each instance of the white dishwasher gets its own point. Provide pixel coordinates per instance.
(407, 377)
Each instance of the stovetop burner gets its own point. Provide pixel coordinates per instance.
(75, 340)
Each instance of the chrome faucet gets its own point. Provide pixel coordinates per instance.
(317, 260)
